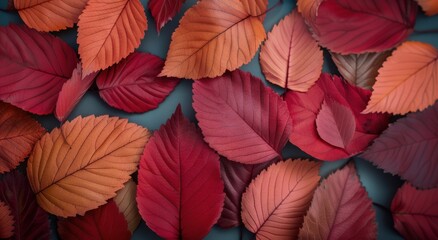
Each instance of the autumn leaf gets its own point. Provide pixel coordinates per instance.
(50, 15)
(409, 148)
(429, 6)
(205, 42)
(276, 201)
(256, 8)
(407, 81)
(125, 201)
(290, 57)
(6, 221)
(360, 69)
(133, 86)
(308, 9)
(340, 209)
(180, 191)
(33, 68)
(109, 31)
(79, 166)
(241, 118)
(164, 10)
(415, 212)
(106, 222)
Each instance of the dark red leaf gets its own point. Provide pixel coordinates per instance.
(6, 221)
(241, 118)
(164, 10)
(31, 222)
(33, 68)
(103, 223)
(304, 108)
(133, 86)
(180, 191)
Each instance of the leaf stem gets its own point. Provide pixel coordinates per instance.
(381, 206)
(426, 31)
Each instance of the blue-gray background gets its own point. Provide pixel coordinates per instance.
(380, 186)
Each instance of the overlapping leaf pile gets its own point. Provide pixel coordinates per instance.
(229, 168)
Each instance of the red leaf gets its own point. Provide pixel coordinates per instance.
(341, 209)
(164, 10)
(236, 177)
(415, 212)
(31, 222)
(6, 221)
(180, 192)
(304, 108)
(133, 86)
(409, 148)
(241, 118)
(105, 222)
(346, 26)
(72, 92)
(33, 68)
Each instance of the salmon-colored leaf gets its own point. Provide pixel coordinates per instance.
(335, 123)
(18, 133)
(180, 191)
(50, 15)
(415, 212)
(164, 10)
(360, 69)
(308, 9)
(407, 81)
(133, 86)
(79, 166)
(104, 223)
(6, 221)
(212, 37)
(33, 68)
(290, 57)
(109, 31)
(304, 109)
(125, 200)
(340, 209)
(409, 148)
(72, 92)
(346, 26)
(241, 118)
(429, 6)
(30, 221)
(274, 204)
(256, 8)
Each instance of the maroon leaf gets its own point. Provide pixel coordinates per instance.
(180, 191)
(415, 212)
(133, 86)
(33, 68)
(241, 118)
(409, 148)
(105, 222)
(31, 222)
(164, 10)
(6, 221)
(340, 209)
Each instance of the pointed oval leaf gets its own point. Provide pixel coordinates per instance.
(340, 209)
(415, 212)
(79, 166)
(407, 81)
(290, 57)
(346, 26)
(276, 201)
(204, 44)
(109, 31)
(133, 86)
(241, 118)
(104, 223)
(429, 6)
(30, 221)
(409, 148)
(33, 68)
(125, 200)
(6, 221)
(164, 10)
(256, 8)
(180, 191)
(308, 9)
(50, 15)
(360, 69)
(304, 109)
(18, 133)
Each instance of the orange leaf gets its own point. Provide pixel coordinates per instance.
(290, 57)
(109, 31)
(308, 8)
(6, 221)
(408, 80)
(429, 6)
(18, 133)
(213, 36)
(125, 200)
(274, 204)
(50, 15)
(256, 8)
(79, 166)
